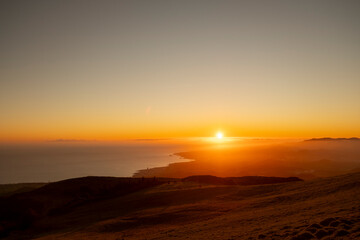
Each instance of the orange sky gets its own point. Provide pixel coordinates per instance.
(128, 69)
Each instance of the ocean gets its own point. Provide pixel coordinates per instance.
(58, 160)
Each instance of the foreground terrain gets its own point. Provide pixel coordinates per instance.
(325, 208)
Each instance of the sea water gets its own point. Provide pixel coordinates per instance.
(58, 160)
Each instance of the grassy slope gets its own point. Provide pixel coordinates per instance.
(192, 211)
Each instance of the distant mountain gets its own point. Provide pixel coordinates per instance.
(333, 139)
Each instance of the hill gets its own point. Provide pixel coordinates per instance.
(171, 209)
(247, 180)
(10, 189)
(333, 139)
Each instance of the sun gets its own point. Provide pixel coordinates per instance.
(219, 135)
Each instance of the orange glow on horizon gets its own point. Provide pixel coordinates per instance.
(112, 130)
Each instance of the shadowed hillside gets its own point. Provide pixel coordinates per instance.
(19, 211)
(248, 180)
(169, 209)
(10, 189)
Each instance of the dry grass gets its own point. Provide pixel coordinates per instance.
(321, 209)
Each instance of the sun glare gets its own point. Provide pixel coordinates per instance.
(219, 135)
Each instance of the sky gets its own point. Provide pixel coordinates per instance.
(111, 70)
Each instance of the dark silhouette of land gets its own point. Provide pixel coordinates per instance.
(333, 139)
(196, 207)
(10, 189)
(21, 210)
(247, 180)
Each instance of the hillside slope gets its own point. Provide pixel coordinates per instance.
(325, 208)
